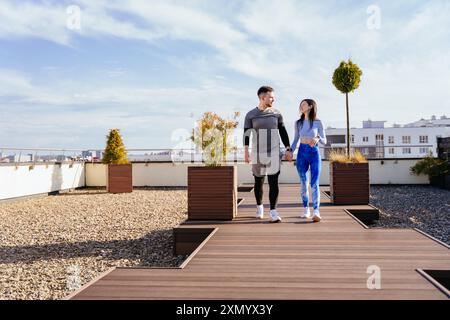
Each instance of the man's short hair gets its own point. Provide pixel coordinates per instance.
(264, 90)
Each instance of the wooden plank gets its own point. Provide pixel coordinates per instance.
(295, 259)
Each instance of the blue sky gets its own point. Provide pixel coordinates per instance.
(151, 68)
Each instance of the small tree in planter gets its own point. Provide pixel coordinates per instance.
(212, 189)
(119, 169)
(436, 169)
(346, 79)
(349, 172)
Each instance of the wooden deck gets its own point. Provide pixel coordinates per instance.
(296, 259)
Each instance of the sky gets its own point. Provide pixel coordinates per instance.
(71, 70)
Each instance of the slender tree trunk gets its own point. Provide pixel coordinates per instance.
(348, 126)
(224, 146)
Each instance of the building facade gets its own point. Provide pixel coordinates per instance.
(374, 140)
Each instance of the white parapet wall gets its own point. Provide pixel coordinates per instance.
(175, 175)
(394, 172)
(21, 180)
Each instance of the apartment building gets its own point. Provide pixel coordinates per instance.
(374, 140)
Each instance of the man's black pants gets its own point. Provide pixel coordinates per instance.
(273, 189)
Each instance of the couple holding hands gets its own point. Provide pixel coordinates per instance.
(265, 125)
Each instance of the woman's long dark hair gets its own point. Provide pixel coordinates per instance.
(312, 112)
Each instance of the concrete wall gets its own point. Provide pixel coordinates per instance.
(394, 172)
(21, 181)
(169, 174)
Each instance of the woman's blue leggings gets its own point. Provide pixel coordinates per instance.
(308, 158)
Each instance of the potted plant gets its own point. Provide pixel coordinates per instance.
(119, 169)
(437, 170)
(212, 188)
(349, 178)
(349, 171)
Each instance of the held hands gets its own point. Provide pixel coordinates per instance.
(288, 155)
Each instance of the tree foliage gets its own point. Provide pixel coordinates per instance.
(213, 135)
(115, 152)
(347, 77)
(430, 166)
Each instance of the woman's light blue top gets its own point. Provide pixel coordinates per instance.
(306, 131)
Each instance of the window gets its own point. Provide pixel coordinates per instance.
(423, 139)
(379, 137)
(424, 150)
(391, 151)
(365, 139)
(335, 139)
(406, 150)
(352, 139)
(406, 139)
(391, 139)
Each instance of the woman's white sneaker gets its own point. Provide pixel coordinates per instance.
(316, 216)
(274, 217)
(260, 211)
(306, 213)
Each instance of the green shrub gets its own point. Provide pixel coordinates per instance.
(430, 166)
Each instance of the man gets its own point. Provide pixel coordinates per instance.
(265, 124)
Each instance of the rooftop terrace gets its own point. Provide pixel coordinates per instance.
(296, 259)
(51, 245)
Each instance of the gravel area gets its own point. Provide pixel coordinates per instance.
(52, 245)
(423, 207)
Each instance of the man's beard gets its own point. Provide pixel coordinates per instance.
(269, 105)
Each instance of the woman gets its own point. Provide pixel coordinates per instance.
(310, 131)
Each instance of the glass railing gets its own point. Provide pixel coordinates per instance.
(34, 156)
(39, 155)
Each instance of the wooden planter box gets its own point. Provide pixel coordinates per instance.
(119, 178)
(349, 183)
(212, 193)
(442, 181)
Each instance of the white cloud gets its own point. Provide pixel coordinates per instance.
(48, 20)
(161, 19)
(17, 88)
(33, 20)
(292, 45)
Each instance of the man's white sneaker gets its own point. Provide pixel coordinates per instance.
(274, 217)
(316, 216)
(260, 211)
(306, 214)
